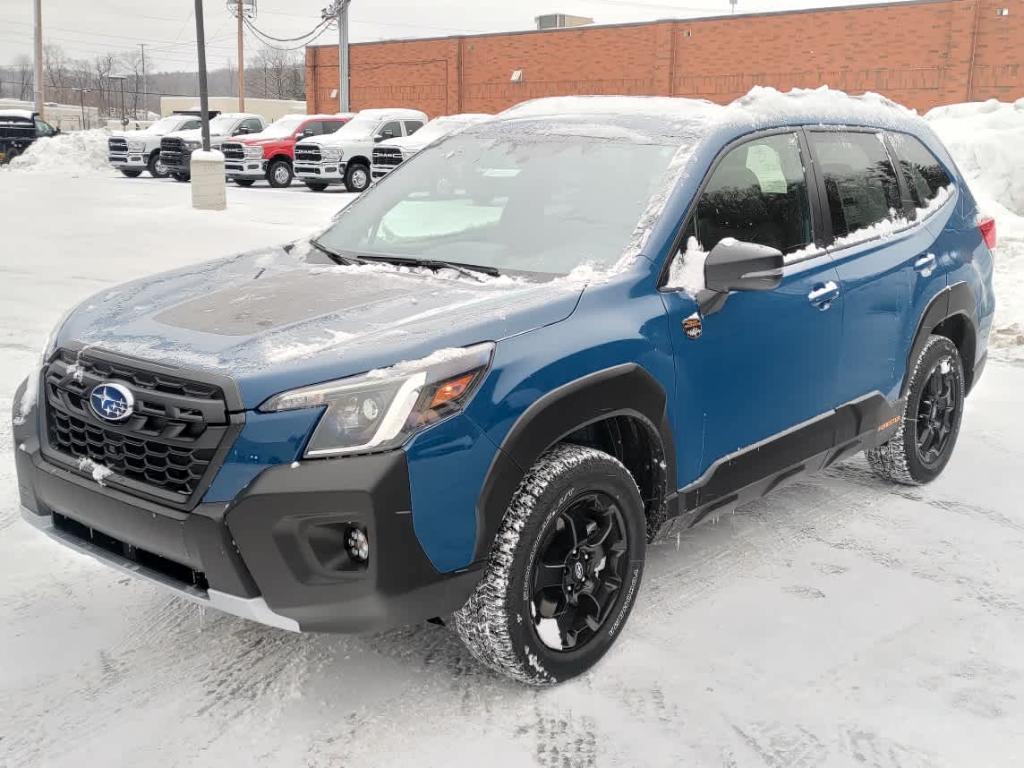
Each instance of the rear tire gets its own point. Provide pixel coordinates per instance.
(182, 177)
(130, 173)
(157, 169)
(564, 569)
(316, 186)
(11, 155)
(244, 182)
(279, 174)
(357, 177)
(930, 423)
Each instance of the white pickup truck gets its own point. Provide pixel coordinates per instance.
(133, 152)
(344, 157)
(390, 154)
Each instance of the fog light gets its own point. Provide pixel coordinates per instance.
(358, 545)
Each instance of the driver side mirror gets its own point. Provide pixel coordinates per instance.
(241, 131)
(380, 137)
(734, 265)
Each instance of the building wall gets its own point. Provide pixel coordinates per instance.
(922, 54)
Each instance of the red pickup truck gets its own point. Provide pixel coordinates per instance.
(269, 154)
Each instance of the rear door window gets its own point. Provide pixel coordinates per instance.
(757, 194)
(926, 178)
(859, 178)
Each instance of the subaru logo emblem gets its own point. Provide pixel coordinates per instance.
(578, 571)
(112, 402)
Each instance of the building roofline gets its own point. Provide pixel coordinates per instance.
(652, 22)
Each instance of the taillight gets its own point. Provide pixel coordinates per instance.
(987, 227)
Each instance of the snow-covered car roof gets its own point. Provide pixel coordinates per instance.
(24, 114)
(239, 115)
(760, 108)
(395, 113)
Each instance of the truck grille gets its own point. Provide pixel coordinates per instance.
(117, 145)
(165, 450)
(173, 152)
(233, 150)
(387, 157)
(307, 153)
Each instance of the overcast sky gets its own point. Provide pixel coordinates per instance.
(85, 28)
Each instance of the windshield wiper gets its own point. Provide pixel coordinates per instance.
(469, 270)
(334, 256)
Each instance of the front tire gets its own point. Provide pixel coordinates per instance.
(244, 182)
(182, 177)
(563, 572)
(279, 174)
(131, 173)
(156, 168)
(357, 177)
(316, 186)
(930, 423)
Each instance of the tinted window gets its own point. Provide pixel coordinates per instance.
(252, 124)
(411, 126)
(312, 128)
(924, 174)
(330, 126)
(758, 194)
(43, 129)
(859, 179)
(190, 125)
(390, 130)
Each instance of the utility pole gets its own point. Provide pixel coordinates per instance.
(242, 9)
(343, 76)
(145, 89)
(37, 77)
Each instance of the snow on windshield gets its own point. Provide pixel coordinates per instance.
(222, 124)
(165, 124)
(283, 127)
(356, 128)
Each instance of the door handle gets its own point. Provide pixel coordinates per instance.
(823, 295)
(925, 264)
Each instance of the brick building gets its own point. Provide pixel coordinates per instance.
(923, 54)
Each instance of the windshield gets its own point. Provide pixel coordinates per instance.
(167, 124)
(435, 129)
(543, 204)
(357, 128)
(222, 124)
(283, 127)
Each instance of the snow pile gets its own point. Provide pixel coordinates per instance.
(987, 141)
(67, 153)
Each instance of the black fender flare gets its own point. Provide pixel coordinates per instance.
(954, 300)
(622, 390)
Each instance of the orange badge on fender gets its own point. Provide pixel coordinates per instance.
(693, 327)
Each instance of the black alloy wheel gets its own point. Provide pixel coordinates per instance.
(936, 412)
(579, 571)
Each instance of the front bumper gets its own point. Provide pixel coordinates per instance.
(326, 173)
(130, 161)
(275, 554)
(245, 169)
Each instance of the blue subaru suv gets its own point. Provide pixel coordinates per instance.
(481, 392)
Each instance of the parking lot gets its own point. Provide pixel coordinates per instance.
(841, 622)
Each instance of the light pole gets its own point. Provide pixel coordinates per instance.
(339, 11)
(207, 168)
(37, 71)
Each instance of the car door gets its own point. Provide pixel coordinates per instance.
(310, 129)
(411, 126)
(930, 201)
(248, 126)
(875, 251)
(766, 360)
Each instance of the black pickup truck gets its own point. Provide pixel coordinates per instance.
(18, 129)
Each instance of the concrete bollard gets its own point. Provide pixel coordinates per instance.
(209, 191)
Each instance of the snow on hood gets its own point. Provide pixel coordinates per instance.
(281, 317)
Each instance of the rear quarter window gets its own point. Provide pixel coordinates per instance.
(924, 174)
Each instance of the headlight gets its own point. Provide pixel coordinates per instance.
(136, 146)
(193, 144)
(331, 155)
(252, 152)
(384, 408)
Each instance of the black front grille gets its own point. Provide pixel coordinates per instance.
(174, 152)
(233, 151)
(309, 153)
(166, 449)
(387, 157)
(154, 562)
(118, 145)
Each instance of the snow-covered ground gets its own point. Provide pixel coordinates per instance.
(840, 622)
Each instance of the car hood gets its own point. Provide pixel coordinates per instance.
(408, 144)
(286, 317)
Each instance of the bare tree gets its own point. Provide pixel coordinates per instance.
(23, 76)
(277, 74)
(55, 66)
